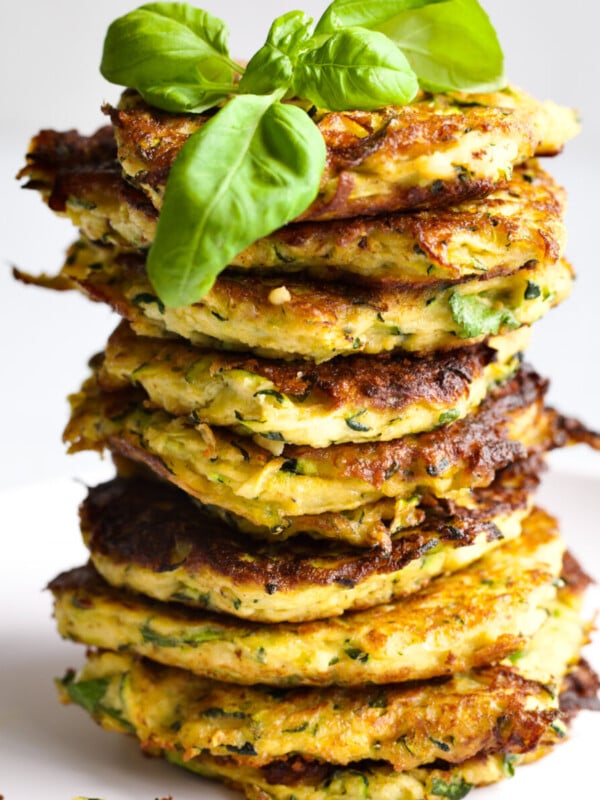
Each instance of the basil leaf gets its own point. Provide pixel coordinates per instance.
(455, 790)
(355, 68)
(476, 317)
(176, 56)
(351, 13)
(251, 169)
(87, 694)
(195, 97)
(450, 45)
(272, 67)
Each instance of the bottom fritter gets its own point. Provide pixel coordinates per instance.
(410, 741)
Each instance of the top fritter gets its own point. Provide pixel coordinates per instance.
(440, 149)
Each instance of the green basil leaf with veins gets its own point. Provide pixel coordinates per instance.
(476, 317)
(451, 46)
(272, 67)
(176, 56)
(251, 169)
(354, 68)
(358, 13)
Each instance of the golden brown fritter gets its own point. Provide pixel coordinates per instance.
(440, 149)
(492, 235)
(491, 709)
(300, 318)
(80, 176)
(149, 537)
(497, 234)
(353, 399)
(473, 617)
(223, 469)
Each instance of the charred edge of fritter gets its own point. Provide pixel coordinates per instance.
(65, 166)
(580, 691)
(569, 431)
(478, 440)
(573, 574)
(89, 184)
(437, 194)
(53, 151)
(58, 283)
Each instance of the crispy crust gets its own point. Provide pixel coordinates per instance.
(497, 708)
(480, 443)
(266, 488)
(580, 690)
(80, 176)
(473, 617)
(320, 320)
(485, 236)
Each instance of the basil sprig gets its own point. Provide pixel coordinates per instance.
(257, 163)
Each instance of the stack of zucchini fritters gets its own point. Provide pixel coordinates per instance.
(319, 571)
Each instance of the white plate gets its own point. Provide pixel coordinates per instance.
(56, 753)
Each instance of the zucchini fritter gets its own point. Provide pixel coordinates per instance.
(301, 318)
(490, 709)
(232, 472)
(438, 150)
(350, 399)
(496, 234)
(304, 780)
(473, 617)
(151, 538)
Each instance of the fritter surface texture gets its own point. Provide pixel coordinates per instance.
(81, 177)
(354, 399)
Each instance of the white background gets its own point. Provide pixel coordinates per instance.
(49, 55)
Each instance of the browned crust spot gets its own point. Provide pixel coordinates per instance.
(580, 690)
(69, 165)
(63, 165)
(478, 441)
